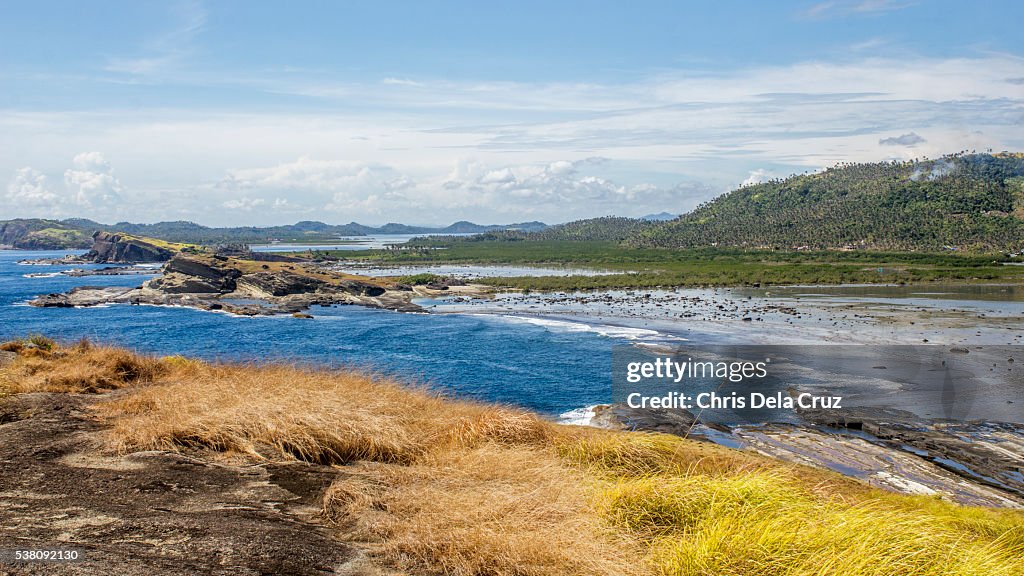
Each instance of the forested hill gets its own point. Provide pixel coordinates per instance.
(606, 228)
(968, 201)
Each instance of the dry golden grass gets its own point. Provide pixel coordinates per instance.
(313, 415)
(493, 509)
(82, 368)
(434, 486)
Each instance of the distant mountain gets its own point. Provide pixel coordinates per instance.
(969, 202)
(77, 232)
(659, 217)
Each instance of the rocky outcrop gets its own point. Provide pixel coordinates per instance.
(975, 463)
(989, 453)
(188, 275)
(154, 512)
(359, 288)
(107, 247)
(278, 284)
(621, 417)
(239, 286)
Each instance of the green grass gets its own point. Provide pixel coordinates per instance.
(655, 267)
(710, 514)
(420, 279)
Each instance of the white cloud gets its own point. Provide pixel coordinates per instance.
(908, 139)
(839, 8)
(28, 188)
(758, 176)
(495, 150)
(245, 204)
(91, 181)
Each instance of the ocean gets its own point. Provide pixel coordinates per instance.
(542, 367)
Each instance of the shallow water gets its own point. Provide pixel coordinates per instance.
(466, 271)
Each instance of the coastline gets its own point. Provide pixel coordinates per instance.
(663, 318)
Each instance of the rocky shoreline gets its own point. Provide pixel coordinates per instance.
(973, 463)
(242, 287)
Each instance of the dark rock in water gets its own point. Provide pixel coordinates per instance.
(280, 283)
(53, 301)
(302, 315)
(107, 247)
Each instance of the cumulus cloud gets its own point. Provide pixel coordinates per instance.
(514, 144)
(555, 191)
(758, 176)
(245, 204)
(908, 139)
(91, 181)
(567, 190)
(337, 185)
(28, 187)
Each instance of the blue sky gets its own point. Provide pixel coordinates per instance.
(428, 112)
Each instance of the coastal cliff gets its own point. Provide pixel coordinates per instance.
(123, 248)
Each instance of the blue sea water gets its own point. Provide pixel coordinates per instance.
(476, 356)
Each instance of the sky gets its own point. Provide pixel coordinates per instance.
(428, 112)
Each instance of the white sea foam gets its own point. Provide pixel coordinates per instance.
(42, 275)
(607, 330)
(578, 416)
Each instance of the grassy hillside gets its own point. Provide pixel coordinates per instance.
(428, 485)
(969, 202)
(36, 234)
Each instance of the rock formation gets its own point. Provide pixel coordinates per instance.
(109, 247)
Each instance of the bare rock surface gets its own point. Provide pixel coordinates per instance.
(153, 512)
(974, 463)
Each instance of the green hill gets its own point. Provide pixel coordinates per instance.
(972, 202)
(39, 234)
(604, 229)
